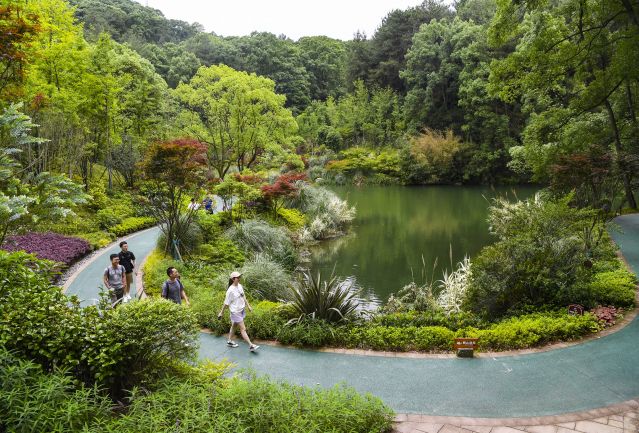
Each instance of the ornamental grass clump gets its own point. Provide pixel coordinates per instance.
(332, 300)
(453, 287)
(328, 214)
(257, 236)
(49, 246)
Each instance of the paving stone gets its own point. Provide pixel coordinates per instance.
(616, 417)
(542, 429)
(429, 428)
(595, 427)
(568, 425)
(451, 429)
(407, 427)
(631, 414)
(565, 430)
(478, 428)
(504, 429)
(603, 420)
(402, 417)
(615, 423)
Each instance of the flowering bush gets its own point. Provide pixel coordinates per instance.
(50, 246)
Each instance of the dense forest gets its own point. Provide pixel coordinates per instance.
(481, 92)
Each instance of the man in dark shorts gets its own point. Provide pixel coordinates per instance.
(127, 259)
(115, 279)
(172, 289)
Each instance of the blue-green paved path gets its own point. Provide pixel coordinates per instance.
(586, 376)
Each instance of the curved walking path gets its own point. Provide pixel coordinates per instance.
(597, 373)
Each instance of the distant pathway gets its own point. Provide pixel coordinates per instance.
(594, 374)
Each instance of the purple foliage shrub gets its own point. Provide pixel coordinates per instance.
(50, 246)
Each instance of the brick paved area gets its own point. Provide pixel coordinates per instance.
(622, 418)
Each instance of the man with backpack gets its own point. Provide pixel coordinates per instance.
(115, 279)
(172, 289)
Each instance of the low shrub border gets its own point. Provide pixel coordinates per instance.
(399, 332)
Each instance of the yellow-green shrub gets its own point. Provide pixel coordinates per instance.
(132, 224)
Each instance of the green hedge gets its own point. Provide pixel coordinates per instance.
(132, 224)
(615, 287)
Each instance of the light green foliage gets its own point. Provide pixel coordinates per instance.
(33, 401)
(132, 224)
(534, 330)
(616, 288)
(154, 270)
(262, 277)
(222, 253)
(412, 297)
(427, 338)
(363, 118)
(267, 406)
(293, 218)
(358, 161)
(97, 239)
(332, 300)
(238, 115)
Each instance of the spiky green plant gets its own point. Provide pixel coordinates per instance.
(332, 300)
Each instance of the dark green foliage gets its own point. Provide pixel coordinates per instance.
(139, 342)
(538, 259)
(307, 333)
(118, 348)
(37, 320)
(128, 21)
(333, 300)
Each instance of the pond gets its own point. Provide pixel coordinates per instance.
(397, 226)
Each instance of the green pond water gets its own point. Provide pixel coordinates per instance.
(396, 226)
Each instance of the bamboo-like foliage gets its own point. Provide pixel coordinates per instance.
(332, 300)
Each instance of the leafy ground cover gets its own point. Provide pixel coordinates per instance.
(49, 246)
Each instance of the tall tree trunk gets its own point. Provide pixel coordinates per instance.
(620, 159)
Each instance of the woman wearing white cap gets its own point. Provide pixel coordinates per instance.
(236, 301)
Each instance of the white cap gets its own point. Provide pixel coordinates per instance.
(235, 274)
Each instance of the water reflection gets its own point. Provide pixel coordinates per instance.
(395, 226)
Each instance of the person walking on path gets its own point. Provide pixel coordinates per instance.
(172, 289)
(236, 303)
(127, 259)
(115, 279)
